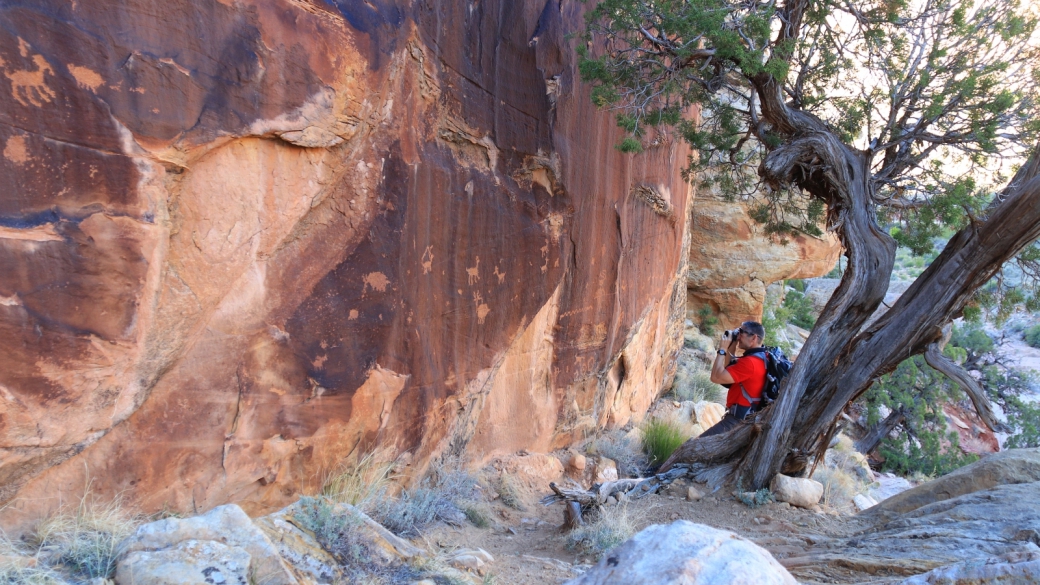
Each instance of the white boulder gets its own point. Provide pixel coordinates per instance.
(686, 553)
(797, 491)
(190, 562)
(227, 525)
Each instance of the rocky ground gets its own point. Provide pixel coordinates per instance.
(978, 524)
(530, 547)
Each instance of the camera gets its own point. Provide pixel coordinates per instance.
(732, 334)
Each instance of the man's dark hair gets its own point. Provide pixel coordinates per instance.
(754, 328)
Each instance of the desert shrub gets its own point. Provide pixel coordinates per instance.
(509, 492)
(756, 498)
(359, 482)
(661, 438)
(931, 454)
(85, 541)
(775, 318)
(922, 443)
(626, 452)
(797, 284)
(693, 382)
(1032, 336)
(415, 510)
(337, 532)
(707, 321)
(478, 513)
(447, 495)
(610, 528)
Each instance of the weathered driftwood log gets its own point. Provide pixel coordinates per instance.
(572, 516)
(585, 500)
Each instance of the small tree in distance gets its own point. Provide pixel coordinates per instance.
(906, 112)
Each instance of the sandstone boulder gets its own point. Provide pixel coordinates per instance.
(797, 491)
(226, 525)
(1007, 467)
(976, 527)
(605, 470)
(708, 413)
(732, 262)
(190, 562)
(1010, 569)
(308, 561)
(686, 553)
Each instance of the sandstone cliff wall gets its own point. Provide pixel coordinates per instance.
(243, 239)
(732, 260)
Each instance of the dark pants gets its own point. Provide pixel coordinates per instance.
(734, 416)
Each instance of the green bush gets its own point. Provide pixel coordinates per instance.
(800, 308)
(707, 321)
(1032, 336)
(660, 439)
(797, 284)
(336, 532)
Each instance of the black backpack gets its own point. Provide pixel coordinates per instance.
(777, 367)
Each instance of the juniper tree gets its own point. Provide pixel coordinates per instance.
(851, 114)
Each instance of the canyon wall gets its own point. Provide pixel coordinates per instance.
(242, 240)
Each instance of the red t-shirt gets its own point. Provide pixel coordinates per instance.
(751, 372)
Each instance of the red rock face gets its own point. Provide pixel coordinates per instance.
(241, 241)
(732, 260)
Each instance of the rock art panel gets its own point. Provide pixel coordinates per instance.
(243, 241)
(732, 260)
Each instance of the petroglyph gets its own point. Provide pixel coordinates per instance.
(377, 280)
(87, 78)
(474, 273)
(15, 150)
(29, 88)
(427, 260)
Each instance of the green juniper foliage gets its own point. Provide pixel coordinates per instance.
(922, 443)
(936, 93)
(1032, 336)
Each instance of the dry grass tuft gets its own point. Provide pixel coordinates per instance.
(20, 566)
(839, 487)
(693, 381)
(509, 492)
(360, 482)
(624, 451)
(84, 541)
(612, 527)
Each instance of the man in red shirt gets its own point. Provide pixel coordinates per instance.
(745, 376)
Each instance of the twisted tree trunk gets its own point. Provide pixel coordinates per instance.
(839, 360)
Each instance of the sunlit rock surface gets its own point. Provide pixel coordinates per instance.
(732, 260)
(242, 240)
